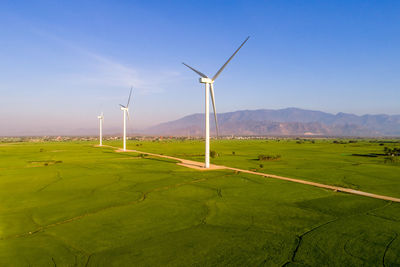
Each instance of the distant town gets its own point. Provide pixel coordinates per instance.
(37, 139)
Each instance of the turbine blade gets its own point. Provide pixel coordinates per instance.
(215, 110)
(226, 63)
(122, 105)
(127, 113)
(129, 99)
(198, 72)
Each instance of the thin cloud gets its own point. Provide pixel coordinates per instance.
(107, 72)
(115, 74)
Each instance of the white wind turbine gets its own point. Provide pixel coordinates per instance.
(210, 88)
(101, 119)
(125, 109)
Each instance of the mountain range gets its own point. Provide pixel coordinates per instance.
(283, 122)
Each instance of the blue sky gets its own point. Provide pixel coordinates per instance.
(63, 62)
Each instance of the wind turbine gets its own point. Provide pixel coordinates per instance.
(209, 86)
(125, 109)
(101, 119)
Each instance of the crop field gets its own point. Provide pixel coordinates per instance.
(345, 163)
(74, 204)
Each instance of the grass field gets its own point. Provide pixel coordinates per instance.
(72, 204)
(322, 161)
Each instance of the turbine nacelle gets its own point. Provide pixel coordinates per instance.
(206, 80)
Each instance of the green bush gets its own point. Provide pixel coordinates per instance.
(392, 151)
(263, 157)
(339, 142)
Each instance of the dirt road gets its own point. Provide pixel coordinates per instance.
(200, 166)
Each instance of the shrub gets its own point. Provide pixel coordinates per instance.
(268, 157)
(213, 154)
(233, 153)
(338, 142)
(392, 151)
(261, 166)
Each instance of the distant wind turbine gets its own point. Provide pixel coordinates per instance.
(125, 109)
(101, 119)
(209, 86)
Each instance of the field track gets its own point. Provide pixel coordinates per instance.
(200, 166)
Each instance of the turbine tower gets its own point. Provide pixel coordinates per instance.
(101, 119)
(125, 110)
(209, 86)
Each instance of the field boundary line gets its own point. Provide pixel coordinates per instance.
(200, 166)
(142, 198)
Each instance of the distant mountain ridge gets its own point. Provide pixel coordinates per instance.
(288, 121)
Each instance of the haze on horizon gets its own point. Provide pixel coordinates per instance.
(62, 63)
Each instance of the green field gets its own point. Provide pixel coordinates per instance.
(320, 160)
(72, 204)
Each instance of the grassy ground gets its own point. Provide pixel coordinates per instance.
(322, 161)
(71, 204)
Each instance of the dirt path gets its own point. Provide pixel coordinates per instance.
(200, 166)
